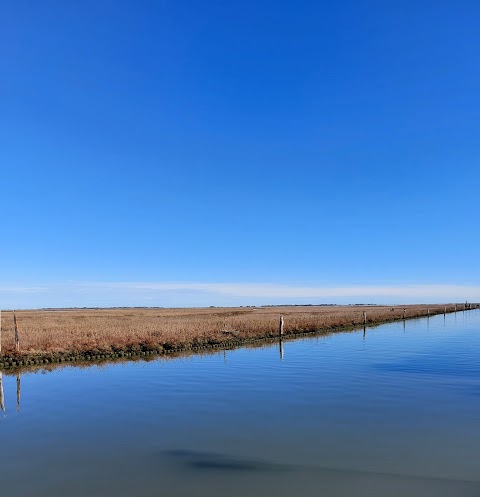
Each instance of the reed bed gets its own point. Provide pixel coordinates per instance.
(106, 331)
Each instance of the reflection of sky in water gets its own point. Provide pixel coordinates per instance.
(394, 411)
(445, 364)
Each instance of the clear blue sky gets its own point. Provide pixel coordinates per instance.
(306, 144)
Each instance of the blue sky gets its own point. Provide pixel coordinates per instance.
(189, 149)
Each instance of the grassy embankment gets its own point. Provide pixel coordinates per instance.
(51, 336)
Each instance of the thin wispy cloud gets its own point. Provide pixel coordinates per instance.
(191, 294)
(276, 290)
(23, 289)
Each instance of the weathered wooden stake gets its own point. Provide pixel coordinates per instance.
(445, 310)
(455, 307)
(17, 340)
(428, 311)
(364, 317)
(280, 326)
(404, 312)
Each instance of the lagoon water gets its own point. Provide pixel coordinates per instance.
(394, 411)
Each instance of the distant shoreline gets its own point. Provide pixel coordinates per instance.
(70, 335)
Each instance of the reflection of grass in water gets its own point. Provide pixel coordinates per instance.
(181, 355)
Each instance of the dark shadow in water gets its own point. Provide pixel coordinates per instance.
(222, 462)
(401, 484)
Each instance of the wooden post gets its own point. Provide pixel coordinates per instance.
(17, 340)
(280, 326)
(445, 310)
(404, 312)
(364, 317)
(428, 311)
(455, 307)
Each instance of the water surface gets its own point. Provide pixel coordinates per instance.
(393, 411)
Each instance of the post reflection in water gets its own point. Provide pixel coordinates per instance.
(2, 396)
(2, 401)
(18, 392)
(281, 349)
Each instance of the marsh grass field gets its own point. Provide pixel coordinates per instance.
(66, 334)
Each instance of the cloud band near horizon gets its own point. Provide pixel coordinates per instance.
(201, 294)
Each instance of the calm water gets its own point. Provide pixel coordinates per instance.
(393, 413)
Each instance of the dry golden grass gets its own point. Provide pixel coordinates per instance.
(107, 330)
